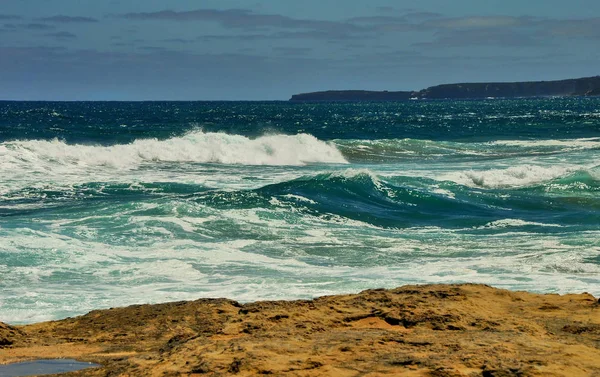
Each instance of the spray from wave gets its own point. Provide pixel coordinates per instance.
(195, 147)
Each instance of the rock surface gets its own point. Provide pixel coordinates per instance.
(431, 330)
(8, 334)
(586, 86)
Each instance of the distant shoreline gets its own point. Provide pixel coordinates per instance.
(586, 86)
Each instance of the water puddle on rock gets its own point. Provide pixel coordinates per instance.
(42, 367)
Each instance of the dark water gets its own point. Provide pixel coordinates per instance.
(110, 203)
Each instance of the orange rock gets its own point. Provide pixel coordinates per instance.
(430, 330)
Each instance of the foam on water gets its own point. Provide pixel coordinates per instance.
(514, 176)
(196, 146)
(564, 145)
(310, 260)
(507, 223)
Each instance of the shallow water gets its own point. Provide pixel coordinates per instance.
(43, 367)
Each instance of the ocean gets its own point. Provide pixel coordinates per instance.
(106, 204)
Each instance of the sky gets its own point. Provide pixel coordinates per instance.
(271, 49)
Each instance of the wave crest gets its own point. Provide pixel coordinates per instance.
(196, 146)
(512, 177)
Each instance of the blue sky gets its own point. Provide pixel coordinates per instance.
(271, 49)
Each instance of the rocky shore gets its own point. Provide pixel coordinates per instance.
(432, 330)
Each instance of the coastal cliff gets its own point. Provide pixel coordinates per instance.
(431, 330)
(587, 86)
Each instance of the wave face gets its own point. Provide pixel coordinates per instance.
(110, 204)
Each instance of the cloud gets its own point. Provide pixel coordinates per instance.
(477, 22)
(411, 17)
(507, 31)
(31, 26)
(486, 37)
(502, 31)
(331, 36)
(8, 28)
(378, 19)
(68, 19)
(574, 28)
(435, 29)
(236, 37)
(26, 53)
(385, 9)
(532, 26)
(179, 40)
(153, 48)
(422, 29)
(36, 26)
(244, 19)
(415, 16)
(292, 50)
(276, 26)
(6, 17)
(61, 35)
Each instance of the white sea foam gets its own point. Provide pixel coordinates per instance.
(514, 176)
(100, 275)
(299, 198)
(571, 144)
(507, 223)
(441, 191)
(196, 146)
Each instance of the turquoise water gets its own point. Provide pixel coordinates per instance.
(106, 204)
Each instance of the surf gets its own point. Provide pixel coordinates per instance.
(193, 147)
(389, 150)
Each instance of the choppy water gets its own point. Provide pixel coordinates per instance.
(109, 204)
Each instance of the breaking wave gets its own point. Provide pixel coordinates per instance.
(195, 147)
(523, 176)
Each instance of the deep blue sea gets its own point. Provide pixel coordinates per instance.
(106, 204)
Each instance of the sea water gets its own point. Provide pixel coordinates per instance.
(107, 204)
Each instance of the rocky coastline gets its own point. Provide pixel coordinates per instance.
(429, 330)
(586, 86)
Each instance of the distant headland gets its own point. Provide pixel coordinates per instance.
(586, 86)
